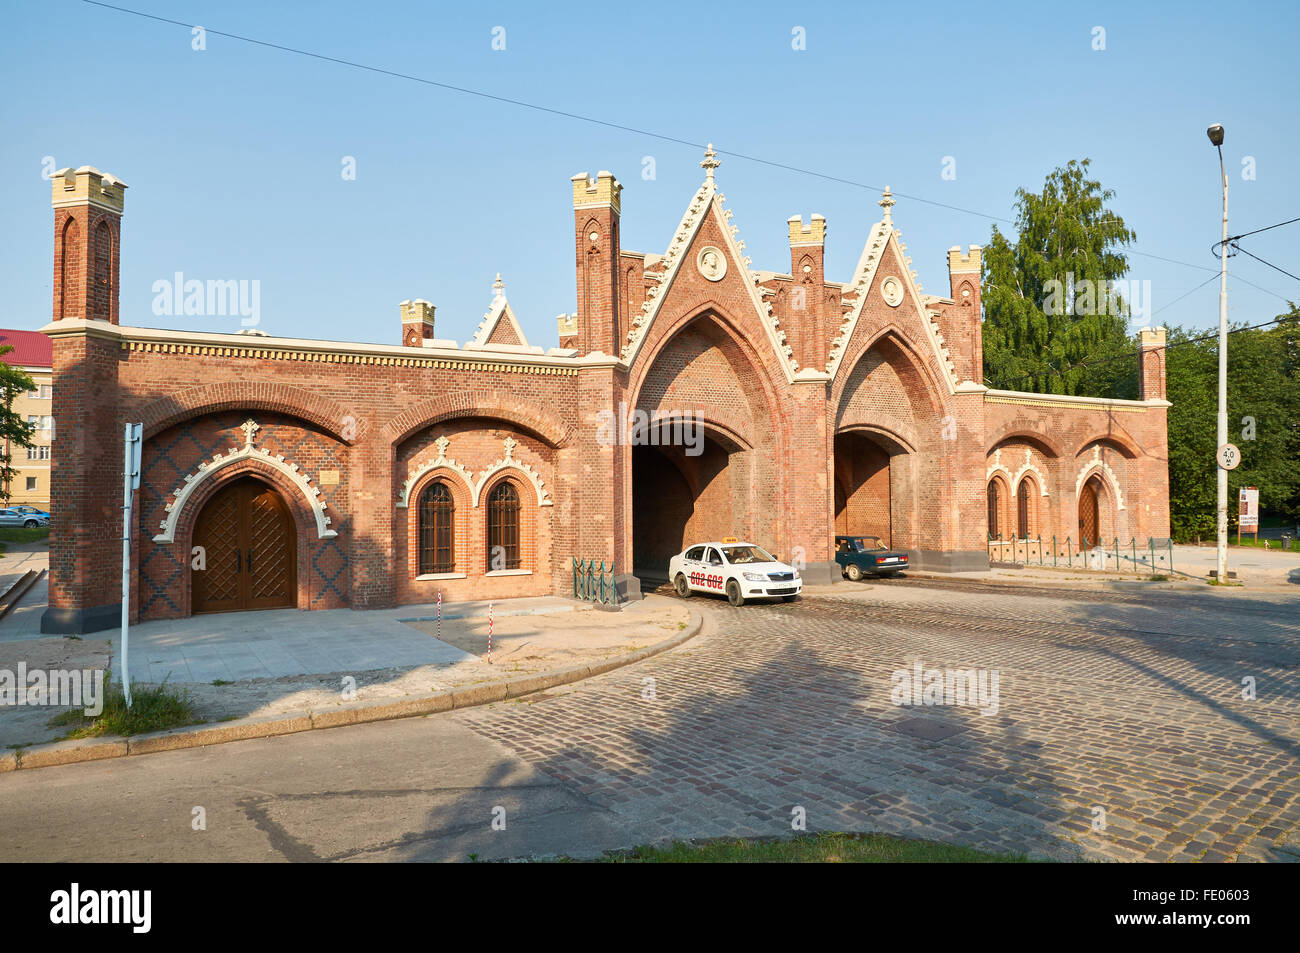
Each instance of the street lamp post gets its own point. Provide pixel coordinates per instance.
(1215, 133)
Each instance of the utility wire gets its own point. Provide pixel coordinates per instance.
(588, 119)
(1265, 229)
(1184, 295)
(1086, 365)
(1263, 262)
(1232, 239)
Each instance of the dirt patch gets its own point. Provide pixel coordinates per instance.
(28, 725)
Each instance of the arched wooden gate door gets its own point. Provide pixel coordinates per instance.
(250, 551)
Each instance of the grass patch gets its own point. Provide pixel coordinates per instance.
(1274, 545)
(153, 709)
(221, 681)
(829, 848)
(21, 534)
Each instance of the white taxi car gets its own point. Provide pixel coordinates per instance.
(733, 568)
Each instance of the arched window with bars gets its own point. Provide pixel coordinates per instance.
(503, 527)
(437, 529)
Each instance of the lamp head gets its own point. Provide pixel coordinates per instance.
(1215, 133)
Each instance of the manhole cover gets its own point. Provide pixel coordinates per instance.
(927, 729)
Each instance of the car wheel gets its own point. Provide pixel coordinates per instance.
(30, 524)
(733, 594)
(682, 586)
(855, 573)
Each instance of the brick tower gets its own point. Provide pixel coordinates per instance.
(87, 232)
(86, 464)
(962, 331)
(807, 310)
(596, 208)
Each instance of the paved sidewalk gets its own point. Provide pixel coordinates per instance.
(1268, 570)
(24, 622)
(277, 643)
(1254, 567)
(264, 665)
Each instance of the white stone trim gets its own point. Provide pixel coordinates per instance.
(509, 572)
(440, 575)
(441, 349)
(863, 276)
(881, 236)
(1029, 467)
(706, 198)
(442, 462)
(508, 462)
(996, 468)
(497, 312)
(182, 493)
(1098, 465)
(1015, 396)
(682, 238)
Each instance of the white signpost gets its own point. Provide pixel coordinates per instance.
(130, 483)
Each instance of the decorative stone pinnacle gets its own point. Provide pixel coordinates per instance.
(442, 443)
(510, 445)
(250, 427)
(498, 288)
(887, 202)
(711, 162)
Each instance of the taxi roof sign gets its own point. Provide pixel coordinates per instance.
(730, 539)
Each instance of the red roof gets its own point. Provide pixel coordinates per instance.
(30, 348)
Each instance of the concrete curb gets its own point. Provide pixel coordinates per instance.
(1047, 582)
(243, 729)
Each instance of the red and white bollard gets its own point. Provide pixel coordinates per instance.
(489, 633)
(439, 613)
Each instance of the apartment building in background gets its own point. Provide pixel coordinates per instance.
(34, 353)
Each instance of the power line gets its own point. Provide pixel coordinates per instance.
(1184, 295)
(1237, 277)
(536, 106)
(1266, 228)
(450, 87)
(1263, 262)
(1086, 365)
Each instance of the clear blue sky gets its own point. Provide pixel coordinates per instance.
(233, 154)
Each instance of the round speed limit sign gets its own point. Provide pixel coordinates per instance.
(1229, 456)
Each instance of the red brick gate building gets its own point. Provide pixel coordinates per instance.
(322, 474)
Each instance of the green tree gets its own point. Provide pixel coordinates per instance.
(1263, 410)
(1049, 299)
(15, 432)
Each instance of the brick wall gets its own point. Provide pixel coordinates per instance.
(910, 445)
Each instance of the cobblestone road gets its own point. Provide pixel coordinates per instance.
(1117, 708)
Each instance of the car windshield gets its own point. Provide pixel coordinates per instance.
(746, 554)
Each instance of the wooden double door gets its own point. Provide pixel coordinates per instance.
(250, 553)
